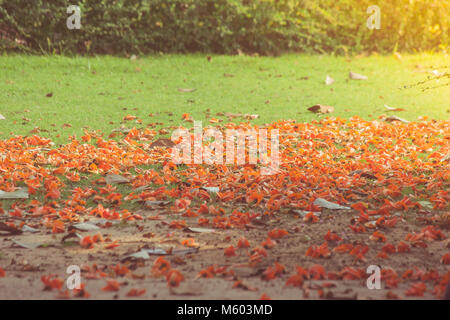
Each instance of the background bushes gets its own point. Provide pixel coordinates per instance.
(223, 26)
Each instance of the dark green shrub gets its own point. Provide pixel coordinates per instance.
(223, 26)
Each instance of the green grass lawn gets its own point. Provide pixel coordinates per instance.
(97, 92)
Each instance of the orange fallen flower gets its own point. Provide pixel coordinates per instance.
(277, 233)
(160, 267)
(120, 270)
(403, 247)
(317, 272)
(243, 243)
(265, 297)
(111, 285)
(378, 236)
(174, 277)
(51, 282)
(112, 245)
(97, 238)
(298, 279)
(445, 258)
(271, 272)
(345, 247)
(321, 251)
(87, 242)
(416, 290)
(81, 292)
(331, 236)
(230, 251)
(311, 217)
(268, 243)
(207, 273)
(129, 118)
(389, 248)
(136, 292)
(189, 242)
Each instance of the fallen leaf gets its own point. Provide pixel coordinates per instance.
(71, 235)
(321, 108)
(395, 118)
(356, 76)
(186, 90)
(243, 285)
(146, 253)
(446, 157)
(329, 80)
(393, 109)
(200, 230)
(10, 230)
(211, 189)
(137, 255)
(156, 203)
(251, 116)
(163, 143)
(85, 226)
(116, 179)
(26, 228)
(21, 193)
(329, 205)
(27, 245)
(303, 213)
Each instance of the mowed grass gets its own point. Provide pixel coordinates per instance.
(97, 92)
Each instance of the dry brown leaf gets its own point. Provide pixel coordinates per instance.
(116, 179)
(163, 143)
(321, 108)
(393, 109)
(395, 118)
(356, 76)
(329, 80)
(186, 89)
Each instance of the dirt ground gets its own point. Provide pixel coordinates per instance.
(24, 267)
(349, 196)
